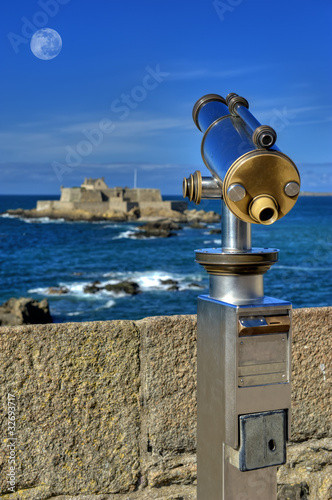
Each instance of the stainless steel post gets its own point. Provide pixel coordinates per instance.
(236, 234)
(243, 336)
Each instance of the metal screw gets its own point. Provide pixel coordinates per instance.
(292, 189)
(236, 192)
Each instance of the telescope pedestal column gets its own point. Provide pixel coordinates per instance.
(243, 373)
(243, 336)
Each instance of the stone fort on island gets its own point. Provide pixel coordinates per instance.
(95, 196)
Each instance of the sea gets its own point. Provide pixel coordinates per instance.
(37, 255)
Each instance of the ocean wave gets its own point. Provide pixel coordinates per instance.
(151, 281)
(304, 268)
(156, 280)
(30, 220)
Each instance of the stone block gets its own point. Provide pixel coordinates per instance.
(311, 373)
(77, 414)
(168, 399)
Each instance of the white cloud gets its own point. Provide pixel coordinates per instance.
(192, 73)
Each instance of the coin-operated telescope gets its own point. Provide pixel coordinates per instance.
(244, 337)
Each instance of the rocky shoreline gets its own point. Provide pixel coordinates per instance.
(148, 214)
(28, 311)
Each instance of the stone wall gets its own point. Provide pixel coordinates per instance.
(141, 194)
(92, 203)
(91, 196)
(107, 410)
(70, 194)
(122, 206)
(54, 205)
(179, 206)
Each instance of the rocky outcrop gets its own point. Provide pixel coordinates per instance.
(158, 229)
(107, 410)
(24, 311)
(128, 287)
(57, 290)
(198, 216)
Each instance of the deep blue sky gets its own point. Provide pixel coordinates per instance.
(276, 54)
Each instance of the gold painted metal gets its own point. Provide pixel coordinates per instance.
(262, 173)
(185, 190)
(264, 209)
(197, 187)
(188, 187)
(219, 263)
(191, 187)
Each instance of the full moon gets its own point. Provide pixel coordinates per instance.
(46, 43)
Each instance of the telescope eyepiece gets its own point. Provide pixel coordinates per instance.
(264, 136)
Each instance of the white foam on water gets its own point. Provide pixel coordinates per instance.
(111, 226)
(109, 303)
(190, 286)
(153, 280)
(76, 289)
(40, 291)
(76, 313)
(125, 234)
(114, 293)
(42, 220)
(8, 216)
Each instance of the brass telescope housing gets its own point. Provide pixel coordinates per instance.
(258, 183)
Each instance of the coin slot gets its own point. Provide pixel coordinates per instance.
(272, 445)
